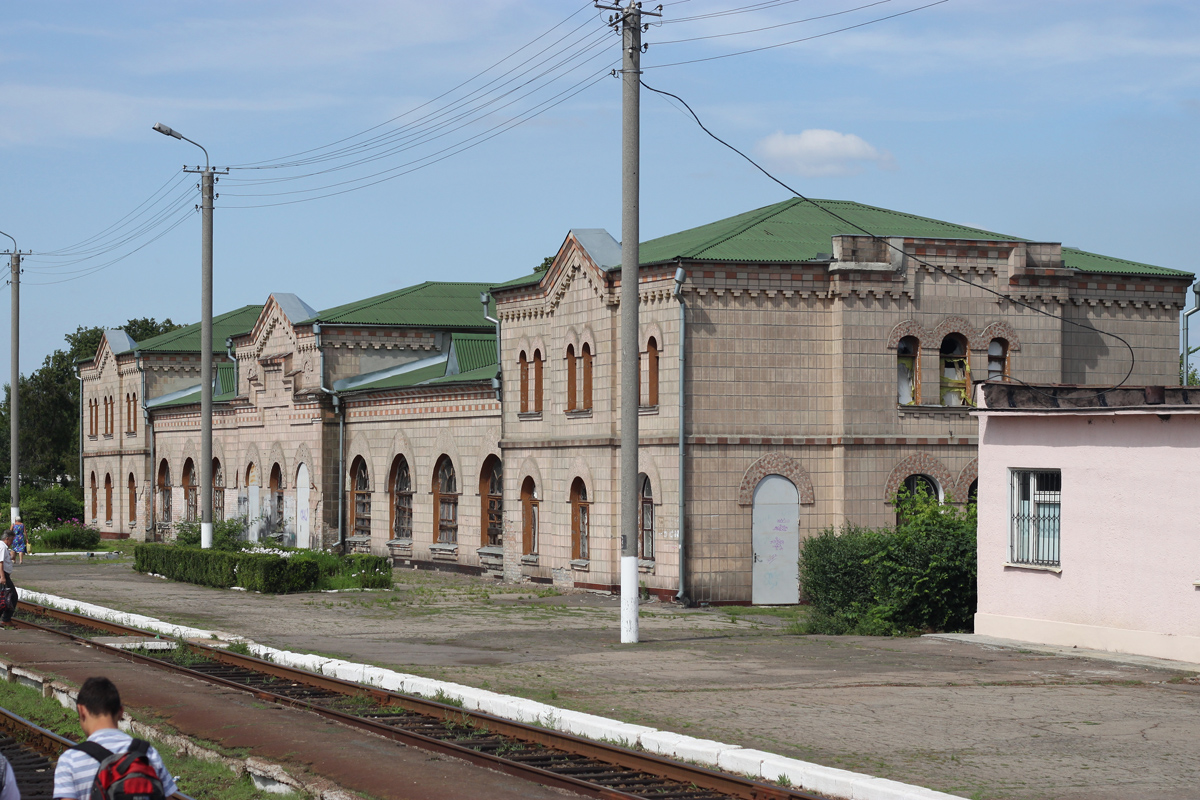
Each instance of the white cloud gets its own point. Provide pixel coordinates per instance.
(817, 153)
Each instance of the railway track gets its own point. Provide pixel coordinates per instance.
(540, 755)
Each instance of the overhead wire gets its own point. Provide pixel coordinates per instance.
(773, 27)
(917, 259)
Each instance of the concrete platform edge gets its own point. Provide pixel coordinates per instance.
(757, 764)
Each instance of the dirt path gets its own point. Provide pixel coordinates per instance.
(976, 721)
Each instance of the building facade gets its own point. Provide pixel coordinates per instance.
(819, 370)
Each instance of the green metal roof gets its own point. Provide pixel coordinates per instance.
(226, 389)
(474, 350)
(404, 380)
(474, 357)
(484, 373)
(426, 305)
(187, 338)
(796, 230)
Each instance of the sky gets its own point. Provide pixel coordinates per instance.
(461, 140)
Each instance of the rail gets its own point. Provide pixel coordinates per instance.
(544, 756)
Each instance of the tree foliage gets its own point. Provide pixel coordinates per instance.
(919, 576)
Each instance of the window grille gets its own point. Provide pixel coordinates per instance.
(218, 492)
(1036, 500)
(446, 500)
(494, 506)
(646, 521)
(580, 523)
(362, 500)
(190, 492)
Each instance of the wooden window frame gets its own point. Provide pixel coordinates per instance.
(645, 509)
(360, 498)
(581, 523)
(530, 513)
(131, 498)
(445, 500)
(572, 380)
(163, 486)
(191, 492)
(652, 372)
(491, 496)
(538, 360)
(585, 353)
(400, 522)
(1003, 359)
(959, 387)
(95, 499)
(108, 498)
(523, 361)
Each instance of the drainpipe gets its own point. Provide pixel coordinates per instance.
(229, 354)
(341, 412)
(147, 480)
(680, 277)
(79, 377)
(483, 298)
(1186, 339)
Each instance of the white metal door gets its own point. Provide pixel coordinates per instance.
(302, 506)
(775, 537)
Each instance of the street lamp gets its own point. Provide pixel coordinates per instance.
(206, 337)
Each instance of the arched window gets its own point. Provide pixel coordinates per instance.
(108, 499)
(973, 492)
(586, 357)
(402, 499)
(133, 409)
(95, 499)
(997, 359)
(571, 377)
(645, 518)
(360, 499)
(164, 492)
(218, 491)
(529, 517)
(955, 372)
(524, 362)
(106, 416)
(908, 383)
(580, 521)
(110, 423)
(127, 415)
(919, 485)
(132, 490)
(190, 491)
(537, 380)
(652, 372)
(277, 496)
(445, 501)
(491, 494)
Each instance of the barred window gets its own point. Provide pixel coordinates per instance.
(445, 501)
(402, 500)
(1036, 500)
(360, 497)
(190, 492)
(645, 519)
(218, 491)
(491, 491)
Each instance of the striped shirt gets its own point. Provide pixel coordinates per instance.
(76, 769)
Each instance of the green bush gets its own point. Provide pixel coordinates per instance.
(229, 534)
(919, 576)
(49, 506)
(259, 572)
(357, 571)
(73, 535)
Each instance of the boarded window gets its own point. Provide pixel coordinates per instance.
(997, 359)
(524, 362)
(361, 497)
(132, 489)
(190, 491)
(537, 380)
(580, 520)
(908, 389)
(491, 493)
(645, 518)
(445, 501)
(571, 378)
(108, 498)
(586, 357)
(95, 499)
(402, 500)
(529, 517)
(955, 388)
(1035, 499)
(652, 372)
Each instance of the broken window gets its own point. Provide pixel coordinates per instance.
(580, 524)
(445, 501)
(997, 360)
(645, 518)
(491, 490)
(402, 497)
(529, 517)
(361, 497)
(908, 352)
(955, 387)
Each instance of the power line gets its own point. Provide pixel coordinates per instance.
(773, 27)
(795, 41)
(901, 251)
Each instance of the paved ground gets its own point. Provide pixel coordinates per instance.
(982, 722)
(237, 723)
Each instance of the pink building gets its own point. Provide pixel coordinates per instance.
(1088, 533)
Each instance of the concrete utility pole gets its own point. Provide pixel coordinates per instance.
(630, 17)
(14, 396)
(207, 179)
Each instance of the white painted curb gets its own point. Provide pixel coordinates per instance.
(731, 758)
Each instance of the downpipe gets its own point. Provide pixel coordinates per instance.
(681, 276)
(340, 410)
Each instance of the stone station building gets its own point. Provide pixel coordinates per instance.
(824, 370)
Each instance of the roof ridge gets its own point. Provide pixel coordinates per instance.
(372, 302)
(908, 215)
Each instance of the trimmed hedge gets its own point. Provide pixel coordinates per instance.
(258, 572)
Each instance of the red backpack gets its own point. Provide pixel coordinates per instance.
(124, 776)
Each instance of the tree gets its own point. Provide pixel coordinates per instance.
(545, 265)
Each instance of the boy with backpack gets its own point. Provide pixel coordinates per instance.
(111, 764)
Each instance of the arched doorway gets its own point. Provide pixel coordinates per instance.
(491, 494)
(303, 488)
(775, 539)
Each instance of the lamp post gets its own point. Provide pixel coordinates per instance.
(206, 337)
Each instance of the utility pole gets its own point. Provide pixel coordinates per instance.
(14, 392)
(207, 179)
(630, 17)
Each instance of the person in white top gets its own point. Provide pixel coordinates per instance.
(8, 587)
(9, 789)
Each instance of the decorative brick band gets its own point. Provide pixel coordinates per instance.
(919, 464)
(775, 464)
(968, 476)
